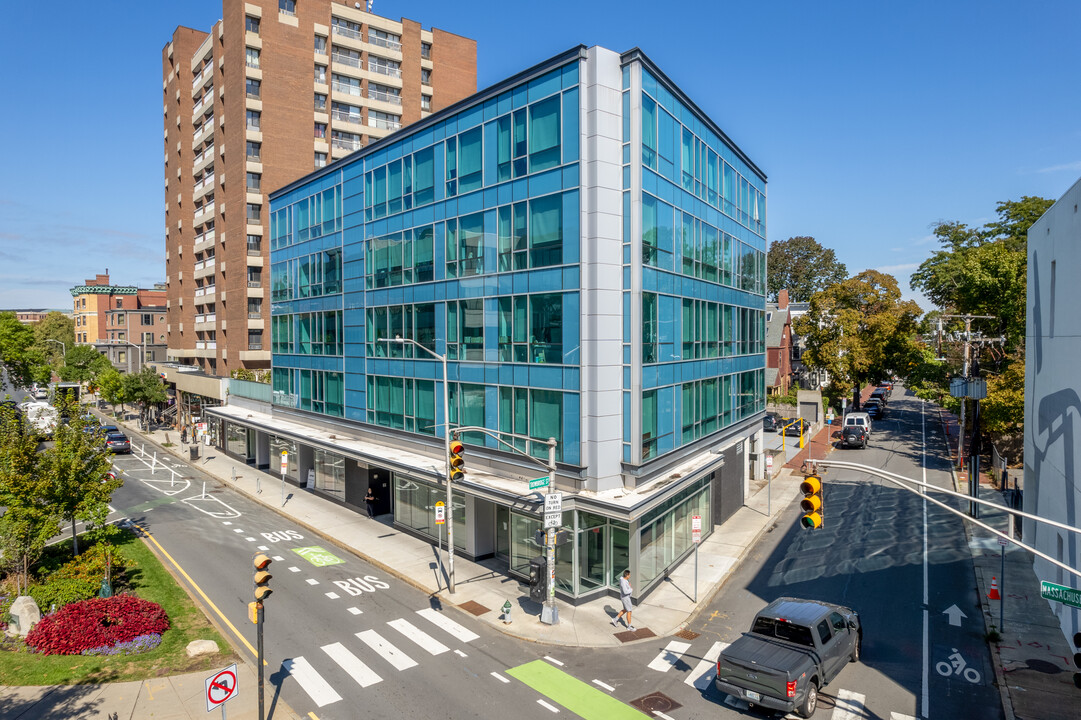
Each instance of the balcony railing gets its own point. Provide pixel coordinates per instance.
(254, 316)
(384, 124)
(255, 345)
(345, 88)
(426, 51)
(346, 116)
(348, 32)
(385, 96)
(346, 60)
(384, 42)
(205, 127)
(384, 70)
(255, 283)
(345, 143)
(254, 251)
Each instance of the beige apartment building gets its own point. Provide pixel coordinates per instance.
(276, 89)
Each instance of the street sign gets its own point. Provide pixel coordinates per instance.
(285, 461)
(553, 503)
(220, 687)
(1003, 541)
(440, 513)
(1060, 593)
(696, 529)
(769, 463)
(552, 520)
(541, 482)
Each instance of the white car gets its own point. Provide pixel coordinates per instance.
(859, 419)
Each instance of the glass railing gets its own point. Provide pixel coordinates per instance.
(385, 96)
(345, 143)
(347, 60)
(347, 89)
(384, 124)
(348, 32)
(384, 42)
(346, 116)
(384, 70)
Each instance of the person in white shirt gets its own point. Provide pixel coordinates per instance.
(625, 591)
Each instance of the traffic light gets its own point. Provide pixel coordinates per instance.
(811, 504)
(261, 579)
(457, 462)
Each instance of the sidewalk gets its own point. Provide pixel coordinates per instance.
(1033, 662)
(483, 587)
(181, 697)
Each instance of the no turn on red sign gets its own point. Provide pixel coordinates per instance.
(696, 529)
(221, 687)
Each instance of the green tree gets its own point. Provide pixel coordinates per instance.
(75, 469)
(145, 388)
(24, 362)
(28, 520)
(111, 386)
(859, 330)
(56, 327)
(82, 363)
(803, 267)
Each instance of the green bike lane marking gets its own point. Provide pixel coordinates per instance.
(584, 700)
(317, 556)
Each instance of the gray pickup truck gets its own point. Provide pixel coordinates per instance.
(795, 647)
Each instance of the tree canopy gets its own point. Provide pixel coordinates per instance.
(82, 363)
(54, 335)
(803, 267)
(859, 330)
(23, 360)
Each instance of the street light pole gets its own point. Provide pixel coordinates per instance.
(63, 346)
(446, 451)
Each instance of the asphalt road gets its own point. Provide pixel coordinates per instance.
(342, 639)
(870, 555)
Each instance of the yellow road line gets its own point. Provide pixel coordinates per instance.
(203, 594)
(312, 716)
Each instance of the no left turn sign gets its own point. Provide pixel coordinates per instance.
(221, 687)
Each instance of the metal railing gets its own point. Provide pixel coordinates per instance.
(255, 345)
(385, 96)
(394, 45)
(346, 60)
(254, 315)
(346, 88)
(255, 283)
(384, 124)
(345, 143)
(348, 32)
(346, 116)
(384, 70)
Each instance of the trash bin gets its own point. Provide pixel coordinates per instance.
(538, 578)
(193, 452)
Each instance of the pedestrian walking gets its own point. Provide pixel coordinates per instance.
(625, 590)
(369, 500)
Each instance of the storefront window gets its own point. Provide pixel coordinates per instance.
(279, 445)
(592, 537)
(524, 548)
(330, 473)
(414, 507)
(621, 551)
(236, 440)
(665, 533)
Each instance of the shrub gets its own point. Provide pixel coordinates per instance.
(61, 592)
(96, 623)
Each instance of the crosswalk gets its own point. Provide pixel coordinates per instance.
(847, 705)
(379, 651)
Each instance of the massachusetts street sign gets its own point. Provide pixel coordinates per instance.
(541, 482)
(1060, 593)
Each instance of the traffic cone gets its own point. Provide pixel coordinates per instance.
(993, 595)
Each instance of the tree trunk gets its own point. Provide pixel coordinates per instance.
(74, 537)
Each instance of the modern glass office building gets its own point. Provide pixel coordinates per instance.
(587, 250)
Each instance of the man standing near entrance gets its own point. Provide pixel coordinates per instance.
(625, 591)
(369, 500)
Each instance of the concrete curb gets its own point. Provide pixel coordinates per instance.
(985, 605)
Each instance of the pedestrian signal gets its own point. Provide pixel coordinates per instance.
(811, 504)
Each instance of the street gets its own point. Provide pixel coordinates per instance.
(340, 634)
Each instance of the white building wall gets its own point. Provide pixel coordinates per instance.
(602, 263)
(1053, 394)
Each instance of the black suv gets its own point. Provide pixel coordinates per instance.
(771, 421)
(854, 436)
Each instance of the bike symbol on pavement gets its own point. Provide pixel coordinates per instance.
(958, 666)
(317, 556)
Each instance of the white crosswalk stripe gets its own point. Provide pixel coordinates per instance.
(411, 631)
(388, 652)
(669, 656)
(318, 689)
(702, 676)
(901, 716)
(849, 706)
(352, 665)
(444, 623)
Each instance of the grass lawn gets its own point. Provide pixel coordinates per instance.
(150, 581)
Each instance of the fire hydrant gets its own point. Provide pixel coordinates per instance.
(506, 613)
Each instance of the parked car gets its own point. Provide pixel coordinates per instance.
(117, 443)
(40, 393)
(879, 394)
(795, 648)
(109, 429)
(858, 418)
(794, 426)
(854, 436)
(887, 386)
(771, 421)
(875, 408)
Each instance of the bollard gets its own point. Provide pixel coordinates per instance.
(506, 613)
(234, 473)
(154, 465)
(258, 485)
(204, 490)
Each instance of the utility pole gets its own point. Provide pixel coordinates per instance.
(964, 373)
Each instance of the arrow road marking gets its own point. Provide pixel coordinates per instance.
(955, 614)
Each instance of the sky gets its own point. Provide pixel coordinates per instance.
(873, 121)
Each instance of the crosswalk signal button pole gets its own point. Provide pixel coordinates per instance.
(457, 462)
(261, 579)
(811, 504)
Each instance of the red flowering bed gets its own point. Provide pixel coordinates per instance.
(96, 623)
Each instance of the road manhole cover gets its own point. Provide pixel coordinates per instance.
(656, 702)
(687, 634)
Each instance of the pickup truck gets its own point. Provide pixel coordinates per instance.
(795, 648)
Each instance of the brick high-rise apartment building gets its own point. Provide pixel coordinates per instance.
(238, 102)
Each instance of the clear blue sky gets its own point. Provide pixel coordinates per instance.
(872, 120)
